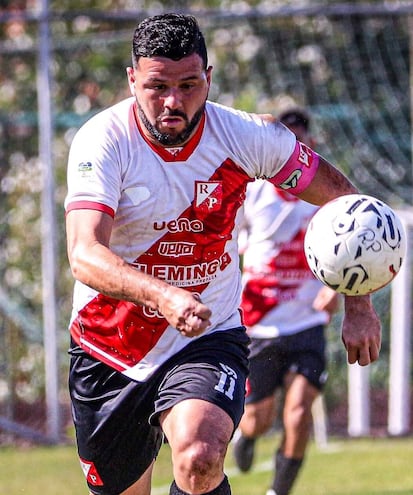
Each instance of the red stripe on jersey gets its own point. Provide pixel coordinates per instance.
(277, 283)
(90, 205)
(126, 332)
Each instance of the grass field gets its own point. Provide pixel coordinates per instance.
(344, 467)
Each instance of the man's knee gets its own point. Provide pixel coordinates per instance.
(298, 417)
(200, 457)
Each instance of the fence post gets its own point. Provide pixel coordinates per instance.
(49, 231)
(400, 347)
(358, 400)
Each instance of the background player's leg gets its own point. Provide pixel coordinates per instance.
(297, 419)
(257, 419)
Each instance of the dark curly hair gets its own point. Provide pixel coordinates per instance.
(173, 36)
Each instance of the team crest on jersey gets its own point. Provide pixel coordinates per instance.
(208, 195)
(90, 473)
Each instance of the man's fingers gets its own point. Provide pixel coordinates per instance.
(195, 323)
(374, 352)
(198, 322)
(363, 356)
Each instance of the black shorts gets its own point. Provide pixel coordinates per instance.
(116, 418)
(272, 359)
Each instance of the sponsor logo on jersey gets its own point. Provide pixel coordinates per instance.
(90, 472)
(208, 195)
(176, 249)
(180, 225)
(174, 151)
(187, 275)
(84, 168)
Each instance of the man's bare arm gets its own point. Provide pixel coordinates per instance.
(94, 264)
(328, 183)
(361, 329)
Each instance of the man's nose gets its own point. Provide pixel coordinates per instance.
(172, 98)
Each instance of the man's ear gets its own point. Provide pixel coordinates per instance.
(209, 74)
(130, 72)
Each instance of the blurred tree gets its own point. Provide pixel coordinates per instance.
(349, 69)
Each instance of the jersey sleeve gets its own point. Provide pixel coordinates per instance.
(298, 171)
(93, 173)
(269, 150)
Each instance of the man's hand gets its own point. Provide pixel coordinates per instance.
(361, 333)
(184, 311)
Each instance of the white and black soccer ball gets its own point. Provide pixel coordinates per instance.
(355, 244)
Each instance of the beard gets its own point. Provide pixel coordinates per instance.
(166, 139)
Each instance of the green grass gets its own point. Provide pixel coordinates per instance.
(345, 467)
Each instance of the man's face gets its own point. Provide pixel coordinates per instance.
(171, 97)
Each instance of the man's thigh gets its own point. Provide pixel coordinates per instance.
(116, 444)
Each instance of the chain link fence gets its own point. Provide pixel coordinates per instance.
(348, 64)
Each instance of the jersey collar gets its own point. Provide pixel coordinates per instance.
(179, 156)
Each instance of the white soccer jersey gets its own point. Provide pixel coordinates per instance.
(279, 288)
(175, 217)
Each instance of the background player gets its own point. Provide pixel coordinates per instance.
(285, 310)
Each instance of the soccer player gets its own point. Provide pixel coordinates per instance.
(285, 310)
(158, 348)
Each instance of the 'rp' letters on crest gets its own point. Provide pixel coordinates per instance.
(208, 195)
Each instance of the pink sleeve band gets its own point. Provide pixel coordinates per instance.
(298, 171)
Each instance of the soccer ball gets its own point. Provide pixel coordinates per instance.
(355, 244)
